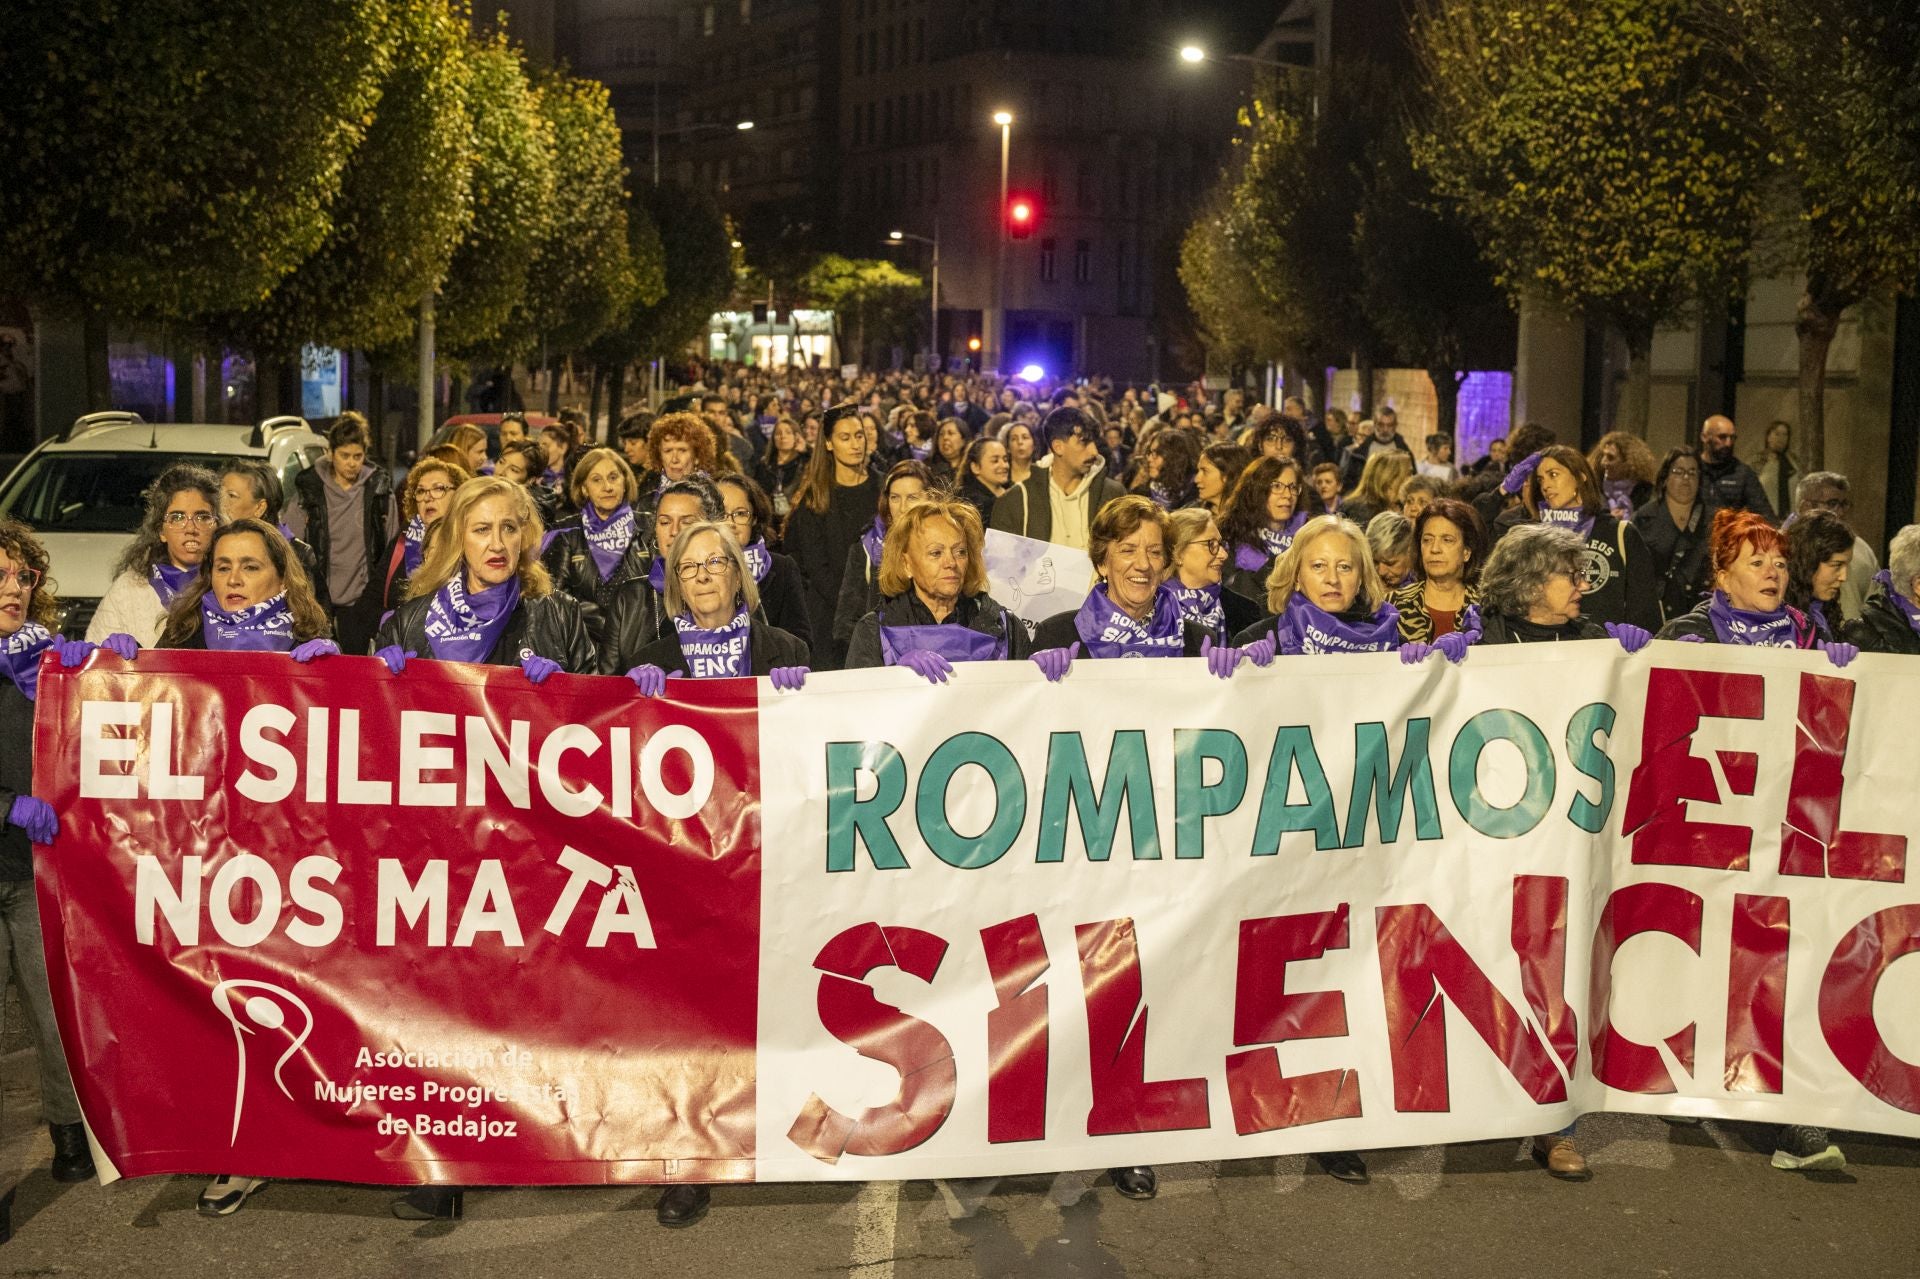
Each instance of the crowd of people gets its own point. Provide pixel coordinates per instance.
(780, 522)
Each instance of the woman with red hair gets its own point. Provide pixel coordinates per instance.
(1748, 604)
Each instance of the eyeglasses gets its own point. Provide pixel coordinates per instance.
(742, 516)
(27, 577)
(715, 565)
(1281, 488)
(199, 519)
(1212, 545)
(434, 491)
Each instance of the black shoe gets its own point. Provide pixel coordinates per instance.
(682, 1206)
(1344, 1165)
(225, 1194)
(430, 1203)
(6, 1217)
(1135, 1183)
(72, 1161)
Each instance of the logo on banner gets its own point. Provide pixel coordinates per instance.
(266, 1012)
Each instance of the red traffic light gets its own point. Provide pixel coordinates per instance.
(1022, 213)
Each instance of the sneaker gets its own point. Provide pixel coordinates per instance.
(224, 1195)
(1804, 1148)
(1561, 1158)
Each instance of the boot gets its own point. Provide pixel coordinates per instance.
(1138, 1182)
(1556, 1153)
(72, 1161)
(682, 1205)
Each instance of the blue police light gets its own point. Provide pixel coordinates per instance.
(1032, 373)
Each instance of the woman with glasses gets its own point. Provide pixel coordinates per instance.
(1199, 560)
(748, 512)
(637, 609)
(934, 608)
(1675, 526)
(424, 499)
(1556, 486)
(905, 485)
(1167, 470)
(717, 630)
(183, 510)
(1262, 519)
(591, 560)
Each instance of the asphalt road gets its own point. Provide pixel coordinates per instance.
(1664, 1201)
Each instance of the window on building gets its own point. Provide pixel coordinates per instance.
(707, 17)
(1048, 271)
(1083, 261)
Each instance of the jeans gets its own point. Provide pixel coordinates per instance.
(22, 954)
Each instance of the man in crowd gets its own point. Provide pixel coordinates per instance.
(714, 409)
(1385, 435)
(347, 514)
(1726, 481)
(1827, 491)
(1319, 441)
(1058, 501)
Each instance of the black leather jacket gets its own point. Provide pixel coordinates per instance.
(636, 617)
(767, 647)
(1881, 627)
(570, 561)
(550, 626)
(976, 612)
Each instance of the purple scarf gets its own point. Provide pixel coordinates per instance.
(169, 581)
(1885, 577)
(951, 640)
(1304, 627)
(266, 627)
(1161, 495)
(552, 479)
(20, 657)
(414, 544)
(872, 540)
(607, 539)
(715, 654)
(1200, 604)
(1576, 518)
(657, 574)
(463, 627)
(1277, 540)
(1619, 494)
(1109, 632)
(1778, 629)
(759, 559)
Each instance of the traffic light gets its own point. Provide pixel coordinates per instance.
(1022, 212)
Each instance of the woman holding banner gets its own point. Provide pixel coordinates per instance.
(1749, 600)
(748, 511)
(1199, 558)
(591, 560)
(637, 614)
(1452, 545)
(183, 509)
(906, 484)
(718, 633)
(1530, 593)
(935, 609)
(1263, 517)
(1889, 622)
(429, 488)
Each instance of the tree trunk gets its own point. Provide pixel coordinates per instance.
(1313, 376)
(93, 331)
(616, 397)
(1818, 320)
(456, 395)
(383, 444)
(1363, 365)
(1636, 401)
(553, 385)
(1446, 394)
(594, 381)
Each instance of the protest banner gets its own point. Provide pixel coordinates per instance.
(877, 929)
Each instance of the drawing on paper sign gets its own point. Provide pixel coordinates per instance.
(258, 1010)
(1034, 580)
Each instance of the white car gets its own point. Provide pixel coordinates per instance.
(83, 493)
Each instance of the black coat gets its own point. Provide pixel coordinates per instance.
(818, 543)
(979, 496)
(1881, 627)
(1618, 557)
(767, 647)
(783, 599)
(636, 618)
(976, 612)
(859, 594)
(1499, 628)
(1059, 631)
(1698, 625)
(1679, 555)
(16, 779)
(376, 499)
(550, 626)
(1733, 484)
(570, 561)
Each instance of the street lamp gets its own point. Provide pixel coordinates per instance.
(933, 331)
(996, 338)
(742, 126)
(1194, 55)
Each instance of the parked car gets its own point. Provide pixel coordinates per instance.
(82, 492)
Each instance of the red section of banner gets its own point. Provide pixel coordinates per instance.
(325, 922)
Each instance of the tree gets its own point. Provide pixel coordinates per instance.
(1836, 93)
(175, 158)
(1239, 327)
(698, 270)
(512, 196)
(629, 336)
(870, 290)
(1594, 149)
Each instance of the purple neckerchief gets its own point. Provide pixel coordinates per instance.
(1906, 606)
(169, 581)
(414, 542)
(1109, 632)
(20, 657)
(1304, 627)
(1249, 558)
(657, 574)
(872, 539)
(1778, 629)
(1200, 604)
(1162, 496)
(266, 627)
(486, 468)
(1277, 540)
(1619, 495)
(1818, 613)
(607, 539)
(951, 640)
(759, 559)
(285, 532)
(1576, 518)
(718, 653)
(552, 478)
(463, 627)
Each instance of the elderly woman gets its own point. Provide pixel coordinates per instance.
(1819, 555)
(1325, 596)
(905, 484)
(183, 509)
(1531, 589)
(1675, 524)
(481, 594)
(717, 634)
(1626, 471)
(593, 559)
(636, 608)
(1199, 561)
(1263, 517)
(1390, 538)
(678, 445)
(985, 474)
(1749, 600)
(1438, 602)
(935, 609)
(1890, 620)
(428, 492)
(1556, 486)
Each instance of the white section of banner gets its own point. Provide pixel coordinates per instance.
(1188, 912)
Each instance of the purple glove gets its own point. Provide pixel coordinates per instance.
(537, 668)
(788, 679)
(1691, 639)
(650, 680)
(34, 816)
(1414, 652)
(395, 657)
(1221, 658)
(1054, 662)
(1840, 653)
(1260, 652)
(1517, 477)
(121, 645)
(322, 647)
(1632, 638)
(1454, 645)
(73, 652)
(930, 667)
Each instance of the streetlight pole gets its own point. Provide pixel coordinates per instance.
(933, 332)
(997, 347)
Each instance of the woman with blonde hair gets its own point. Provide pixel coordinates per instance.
(1625, 467)
(1326, 596)
(934, 608)
(1380, 480)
